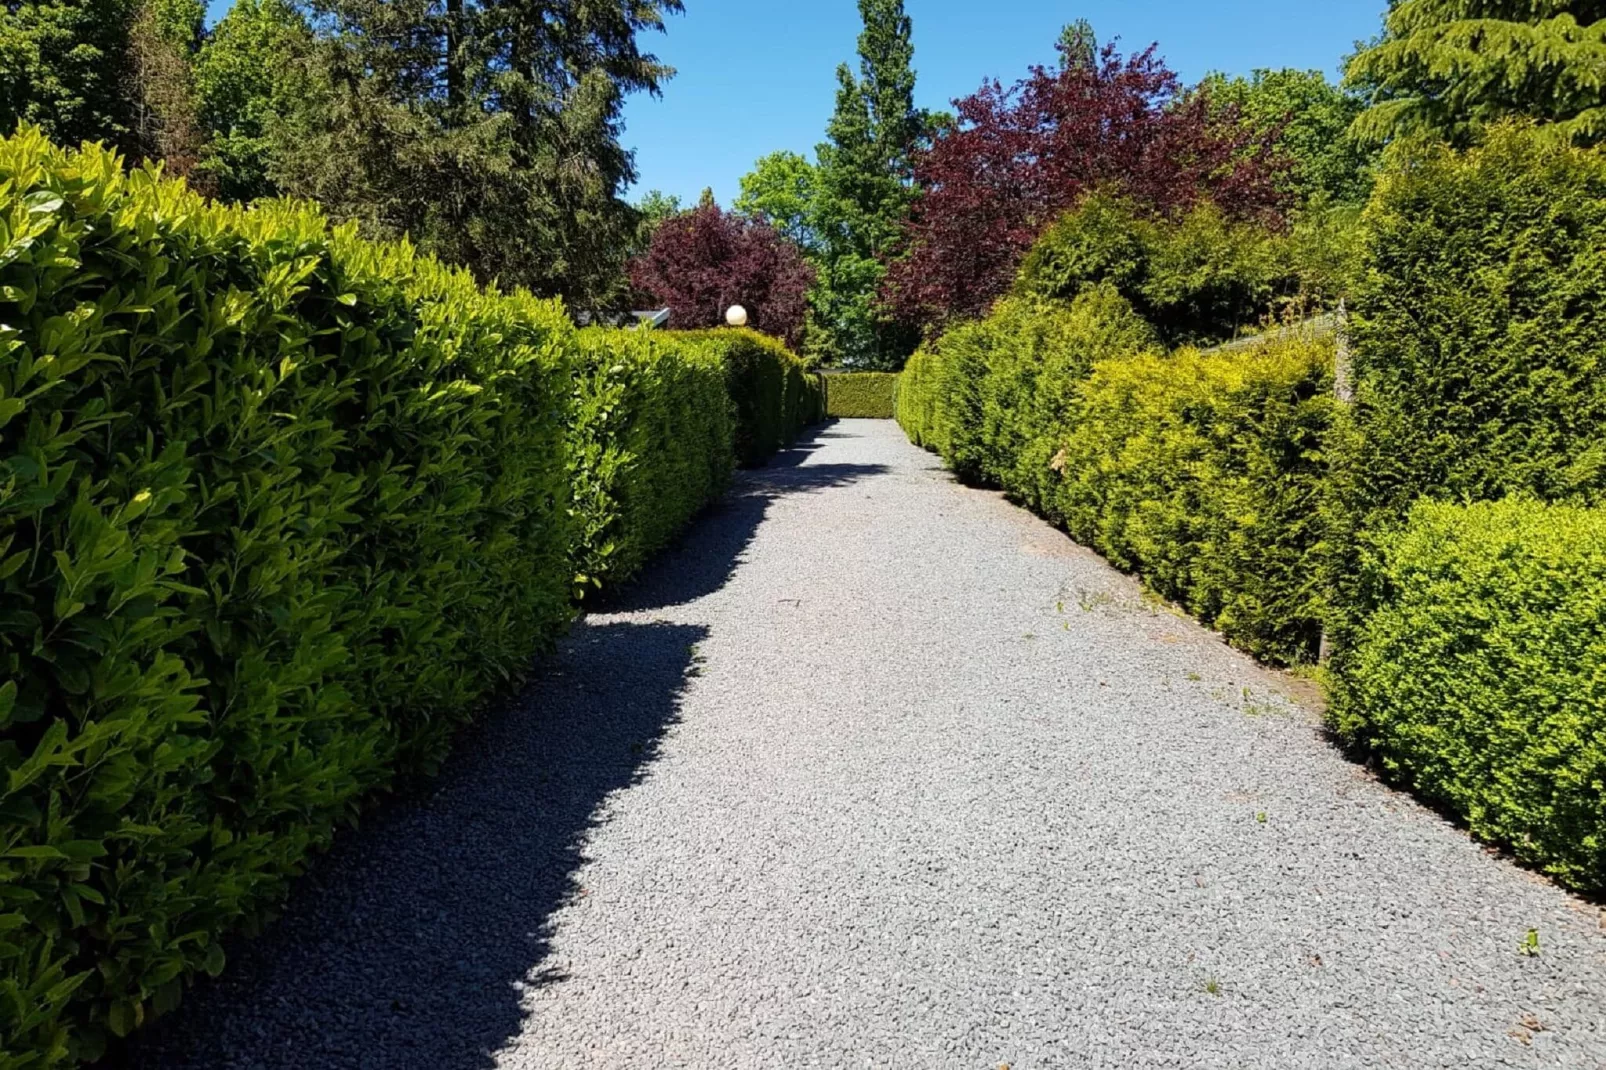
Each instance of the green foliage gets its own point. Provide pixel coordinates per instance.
(1477, 678)
(860, 395)
(653, 442)
(1311, 119)
(862, 195)
(781, 190)
(65, 67)
(1478, 331)
(279, 510)
(774, 394)
(1202, 472)
(654, 207)
(1202, 277)
(489, 133)
(1447, 68)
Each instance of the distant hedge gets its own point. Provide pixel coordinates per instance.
(859, 395)
(280, 509)
(1477, 677)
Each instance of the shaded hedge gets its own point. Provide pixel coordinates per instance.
(653, 442)
(279, 510)
(776, 396)
(860, 395)
(1478, 675)
(1478, 332)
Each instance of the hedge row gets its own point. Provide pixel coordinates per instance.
(860, 395)
(1480, 677)
(1200, 471)
(1234, 484)
(279, 509)
(1465, 638)
(776, 397)
(1479, 337)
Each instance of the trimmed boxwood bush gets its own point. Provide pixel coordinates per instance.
(1478, 333)
(860, 395)
(1478, 675)
(279, 510)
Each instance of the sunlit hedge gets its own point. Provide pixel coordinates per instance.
(1477, 677)
(1479, 338)
(279, 510)
(1201, 472)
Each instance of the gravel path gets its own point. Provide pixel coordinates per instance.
(879, 771)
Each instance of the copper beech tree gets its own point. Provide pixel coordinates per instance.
(1019, 157)
(701, 262)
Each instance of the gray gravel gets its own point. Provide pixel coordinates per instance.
(880, 771)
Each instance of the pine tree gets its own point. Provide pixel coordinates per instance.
(863, 193)
(1449, 67)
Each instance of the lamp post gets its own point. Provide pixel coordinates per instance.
(736, 316)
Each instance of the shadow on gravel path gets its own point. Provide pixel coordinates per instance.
(706, 558)
(410, 946)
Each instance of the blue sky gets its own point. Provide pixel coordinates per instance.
(759, 75)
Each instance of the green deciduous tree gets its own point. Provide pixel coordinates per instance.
(1311, 118)
(1449, 67)
(65, 67)
(780, 189)
(249, 74)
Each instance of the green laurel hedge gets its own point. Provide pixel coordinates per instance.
(776, 397)
(860, 395)
(653, 443)
(279, 510)
(1478, 676)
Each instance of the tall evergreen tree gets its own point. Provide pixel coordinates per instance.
(489, 131)
(863, 192)
(1448, 67)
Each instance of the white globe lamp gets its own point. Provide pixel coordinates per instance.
(736, 316)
